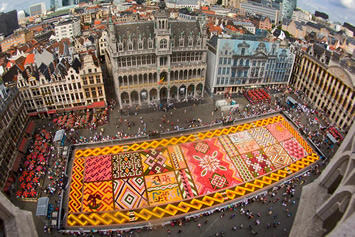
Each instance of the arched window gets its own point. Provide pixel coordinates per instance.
(241, 61)
(163, 44)
(140, 45)
(190, 42)
(150, 44)
(181, 42)
(172, 42)
(198, 43)
(247, 62)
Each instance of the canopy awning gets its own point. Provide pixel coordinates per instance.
(32, 114)
(291, 100)
(332, 138)
(79, 108)
(51, 111)
(17, 161)
(59, 135)
(30, 128)
(23, 145)
(100, 104)
(42, 206)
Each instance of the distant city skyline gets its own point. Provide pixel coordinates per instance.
(331, 7)
(337, 10)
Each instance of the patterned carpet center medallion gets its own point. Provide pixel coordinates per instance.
(149, 180)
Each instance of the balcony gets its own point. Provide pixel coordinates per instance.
(139, 69)
(193, 48)
(134, 52)
(165, 83)
(187, 65)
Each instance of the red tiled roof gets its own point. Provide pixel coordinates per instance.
(209, 12)
(10, 63)
(101, 27)
(213, 28)
(30, 59)
(29, 50)
(86, 28)
(231, 28)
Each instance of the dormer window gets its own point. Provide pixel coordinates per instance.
(198, 42)
(120, 47)
(140, 45)
(190, 41)
(150, 44)
(181, 42)
(130, 46)
(163, 44)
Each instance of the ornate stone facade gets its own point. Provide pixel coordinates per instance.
(157, 60)
(327, 205)
(13, 121)
(328, 82)
(16, 222)
(235, 64)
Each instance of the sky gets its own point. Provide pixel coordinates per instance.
(338, 10)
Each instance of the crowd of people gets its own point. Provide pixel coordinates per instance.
(126, 128)
(277, 200)
(307, 119)
(34, 165)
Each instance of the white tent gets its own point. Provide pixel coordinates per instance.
(59, 135)
(42, 206)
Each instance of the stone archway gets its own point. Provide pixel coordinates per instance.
(190, 90)
(173, 93)
(125, 98)
(144, 97)
(163, 75)
(182, 92)
(163, 94)
(199, 89)
(134, 98)
(153, 95)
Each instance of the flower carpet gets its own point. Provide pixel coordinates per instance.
(162, 178)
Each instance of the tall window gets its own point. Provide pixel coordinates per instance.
(163, 44)
(198, 42)
(99, 90)
(98, 79)
(181, 42)
(190, 41)
(87, 93)
(93, 92)
(91, 79)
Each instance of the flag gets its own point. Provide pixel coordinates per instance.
(161, 80)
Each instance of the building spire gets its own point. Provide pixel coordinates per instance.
(162, 5)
